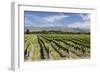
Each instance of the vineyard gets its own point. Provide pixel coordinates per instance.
(56, 46)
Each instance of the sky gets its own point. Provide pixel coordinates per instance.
(56, 19)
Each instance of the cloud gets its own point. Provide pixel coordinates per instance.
(85, 17)
(32, 20)
(48, 24)
(54, 18)
(48, 21)
(85, 25)
(57, 20)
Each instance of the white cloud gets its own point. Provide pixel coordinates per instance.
(85, 25)
(50, 20)
(45, 25)
(55, 17)
(85, 17)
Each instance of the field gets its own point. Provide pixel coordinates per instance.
(56, 46)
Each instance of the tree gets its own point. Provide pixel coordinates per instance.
(27, 31)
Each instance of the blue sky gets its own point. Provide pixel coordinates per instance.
(56, 19)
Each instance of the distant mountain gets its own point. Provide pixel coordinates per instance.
(63, 29)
